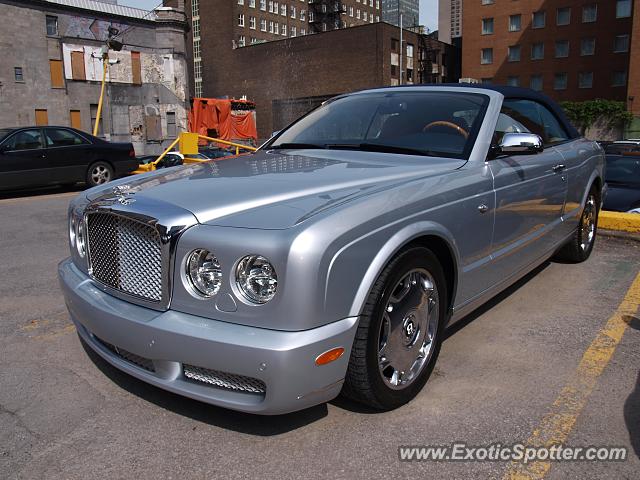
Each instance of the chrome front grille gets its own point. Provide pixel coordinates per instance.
(125, 254)
(228, 381)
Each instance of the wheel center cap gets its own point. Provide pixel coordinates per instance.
(409, 327)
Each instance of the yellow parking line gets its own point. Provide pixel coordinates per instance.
(556, 425)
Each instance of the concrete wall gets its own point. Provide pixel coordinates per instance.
(24, 43)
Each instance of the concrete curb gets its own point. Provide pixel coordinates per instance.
(621, 222)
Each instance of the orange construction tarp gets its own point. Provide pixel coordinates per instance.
(215, 114)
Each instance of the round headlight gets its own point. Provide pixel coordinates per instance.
(204, 272)
(256, 278)
(72, 230)
(81, 238)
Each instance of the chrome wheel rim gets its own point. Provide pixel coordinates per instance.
(588, 223)
(100, 174)
(408, 330)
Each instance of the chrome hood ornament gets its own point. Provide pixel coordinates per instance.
(123, 194)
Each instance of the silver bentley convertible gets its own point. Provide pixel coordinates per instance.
(332, 259)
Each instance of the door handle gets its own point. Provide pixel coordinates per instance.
(482, 208)
(558, 168)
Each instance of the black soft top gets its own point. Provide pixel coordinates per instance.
(520, 93)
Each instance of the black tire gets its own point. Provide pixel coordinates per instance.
(364, 381)
(579, 248)
(99, 173)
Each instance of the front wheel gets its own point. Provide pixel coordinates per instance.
(399, 333)
(99, 173)
(579, 248)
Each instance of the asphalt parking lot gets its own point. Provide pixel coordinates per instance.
(510, 372)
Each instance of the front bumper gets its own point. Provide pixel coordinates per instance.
(284, 361)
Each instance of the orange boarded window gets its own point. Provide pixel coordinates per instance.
(77, 66)
(136, 68)
(75, 119)
(42, 118)
(57, 77)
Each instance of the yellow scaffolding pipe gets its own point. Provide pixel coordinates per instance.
(226, 142)
(105, 63)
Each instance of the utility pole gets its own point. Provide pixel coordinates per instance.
(400, 22)
(115, 45)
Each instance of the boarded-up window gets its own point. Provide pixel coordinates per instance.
(76, 122)
(153, 128)
(42, 118)
(171, 125)
(136, 68)
(77, 66)
(57, 77)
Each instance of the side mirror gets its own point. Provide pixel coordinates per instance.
(520, 144)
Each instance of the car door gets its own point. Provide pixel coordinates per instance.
(68, 154)
(22, 160)
(530, 192)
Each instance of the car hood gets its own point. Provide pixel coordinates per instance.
(276, 190)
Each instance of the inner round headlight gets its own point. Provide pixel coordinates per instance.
(81, 238)
(204, 272)
(256, 278)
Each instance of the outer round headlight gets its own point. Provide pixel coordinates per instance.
(256, 278)
(81, 238)
(204, 272)
(72, 230)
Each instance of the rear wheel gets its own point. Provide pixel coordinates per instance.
(399, 333)
(99, 173)
(579, 248)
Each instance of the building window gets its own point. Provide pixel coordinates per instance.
(172, 131)
(535, 83)
(196, 49)
(562, 48)
(486, 56)
(302, 15)
(513, 53)
(515, 22)
(240, 2)
(513, 81)
(263, 25)
(276, 28)
(52, 25)
(589, 13)
(588, 46)
(539, 19)
(303, 31)
(487, 26)
(57, 75)
(283, 30)
(270, 6)
(585, 80)
(195, 9)
(486, 81)
(283, 10)
(196, 28)
(17, 74)
(252, 23)
(619, 79)
(270, 26)
(294, 13)
(364, 16)
(252, 3)
(537, 51)
(263, 5)
(621, 44)
(253, 41)
(563, 16)
(623, 8)
(241, 20)
(488, 2)
(293, 30)
(358, 13)
(310, 16)
(560, 81)
(242, 41)
(351, 11)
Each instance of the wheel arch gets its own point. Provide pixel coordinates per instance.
(424, 234)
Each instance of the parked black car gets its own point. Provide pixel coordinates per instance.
(622, 175)
(34, 156)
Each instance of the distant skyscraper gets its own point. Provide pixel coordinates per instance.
(408, 8)
(449, 20)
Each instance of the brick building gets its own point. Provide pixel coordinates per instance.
(572, 50)
(450, 21)
(51, 69)
(238, 23)
(287, 78)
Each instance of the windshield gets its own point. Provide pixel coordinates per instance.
(4, 132)
(443, 124)
(623, 169)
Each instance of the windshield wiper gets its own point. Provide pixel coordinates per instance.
(281, 146)
(376, 147)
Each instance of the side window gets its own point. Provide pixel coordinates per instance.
(62, 138)
(26, 140)
(533, 117)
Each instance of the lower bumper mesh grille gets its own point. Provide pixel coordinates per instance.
(228, 381)
(137, 360)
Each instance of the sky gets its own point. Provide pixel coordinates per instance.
(428, 10)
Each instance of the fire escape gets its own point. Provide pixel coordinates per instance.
(325, 15)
